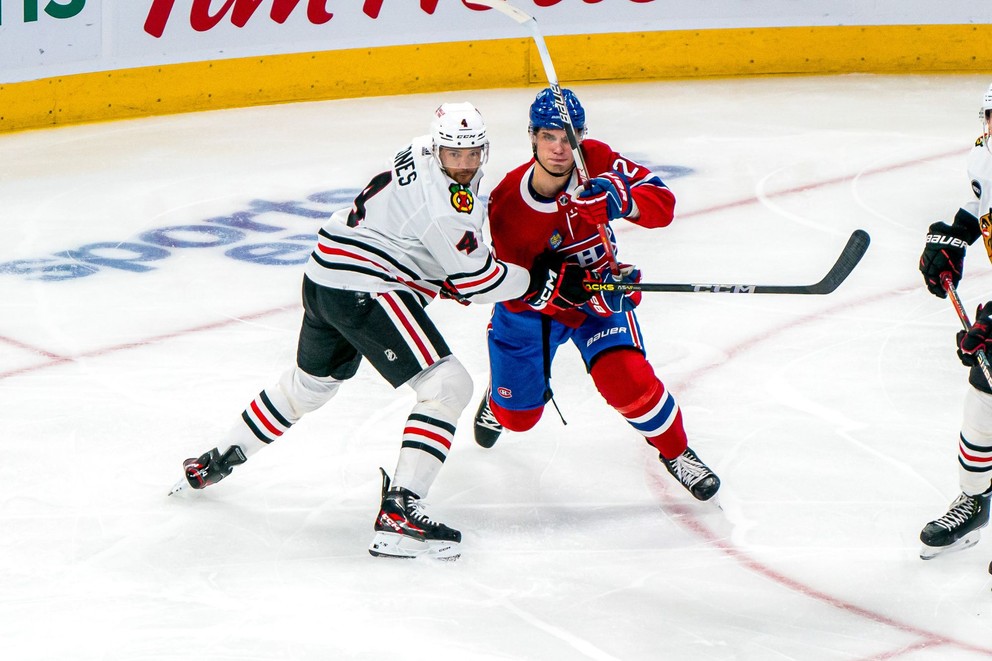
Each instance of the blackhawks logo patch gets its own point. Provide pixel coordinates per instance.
(985, 224)
(461, 198)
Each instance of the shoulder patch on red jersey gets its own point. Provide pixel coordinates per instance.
(461, 198)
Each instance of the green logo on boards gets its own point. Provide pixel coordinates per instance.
(54, 9)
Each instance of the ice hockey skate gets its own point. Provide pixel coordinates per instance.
(209, 468)
(693, 474)
(957, 530)
(404, 530)
(487, 427)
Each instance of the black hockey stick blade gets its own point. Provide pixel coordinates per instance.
(849, 258)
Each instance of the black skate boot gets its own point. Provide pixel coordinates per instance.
(403, 529)
(209, 468)
(959, 529)
(694, 475)
(487, 428)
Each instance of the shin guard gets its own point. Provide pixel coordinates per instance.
(628, 383)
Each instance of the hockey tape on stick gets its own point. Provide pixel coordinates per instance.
(524, 18)
(849, 257)
(983, 360)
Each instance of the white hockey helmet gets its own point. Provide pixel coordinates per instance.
(459, 126)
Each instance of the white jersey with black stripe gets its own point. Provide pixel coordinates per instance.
(412, 228)
(980, 174)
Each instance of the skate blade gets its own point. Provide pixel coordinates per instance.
(447, 551)
(966, 542)
(179, 487)
(392, 545)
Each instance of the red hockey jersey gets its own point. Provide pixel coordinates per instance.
(524, 224)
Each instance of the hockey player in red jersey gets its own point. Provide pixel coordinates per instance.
(943, 255)
(540, 207)
(413, 233)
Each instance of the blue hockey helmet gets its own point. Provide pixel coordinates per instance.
(544, 113)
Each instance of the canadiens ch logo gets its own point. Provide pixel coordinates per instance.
(461, 198)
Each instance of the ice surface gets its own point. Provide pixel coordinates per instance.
(832, 420)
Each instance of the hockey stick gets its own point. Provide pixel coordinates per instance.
(523, 18)
(848, 259)
(983, 360)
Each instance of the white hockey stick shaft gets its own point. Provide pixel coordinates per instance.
(549, 71)
(524, 18)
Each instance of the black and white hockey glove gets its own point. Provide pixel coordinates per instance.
(944, 251)
(556, 284)
(977, 339)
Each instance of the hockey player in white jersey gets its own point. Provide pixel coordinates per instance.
(413, 233)
(943, 255)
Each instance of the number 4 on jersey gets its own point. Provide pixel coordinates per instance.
(468, 243)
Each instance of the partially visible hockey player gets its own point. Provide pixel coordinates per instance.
(944, 254)
(540, 206)
(414, 232)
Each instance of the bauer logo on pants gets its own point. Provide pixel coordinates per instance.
(605, 333)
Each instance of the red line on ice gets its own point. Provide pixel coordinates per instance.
(929, 639)
(56, 360)
(694, 524)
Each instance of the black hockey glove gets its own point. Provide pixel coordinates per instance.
(977, 339)
(944, 251)
(556, 284)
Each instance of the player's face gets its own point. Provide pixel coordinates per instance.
(461, 164)
(553, 151)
